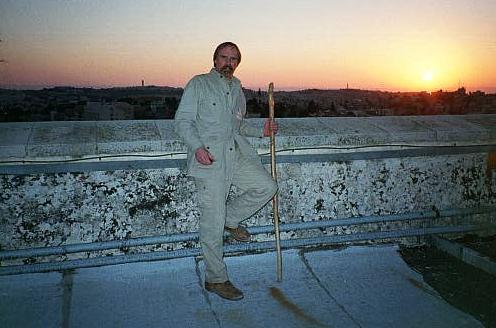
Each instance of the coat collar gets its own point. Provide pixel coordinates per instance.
(217, 75)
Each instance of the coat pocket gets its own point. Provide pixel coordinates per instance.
(210, 110)
(217, 166)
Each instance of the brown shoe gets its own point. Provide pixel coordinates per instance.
(240, 233)
(225, 290)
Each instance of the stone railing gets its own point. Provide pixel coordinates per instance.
(66, 183)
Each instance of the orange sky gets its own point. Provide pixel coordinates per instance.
(380, 45)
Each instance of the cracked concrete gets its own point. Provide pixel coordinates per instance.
(358, 286)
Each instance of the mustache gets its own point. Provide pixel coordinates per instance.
(227, 68)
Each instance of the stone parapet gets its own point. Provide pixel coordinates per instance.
(83, 182)
(75, 140)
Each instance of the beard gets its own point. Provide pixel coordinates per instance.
(227, 71)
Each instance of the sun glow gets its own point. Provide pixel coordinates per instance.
(428, 75)
(311, 46)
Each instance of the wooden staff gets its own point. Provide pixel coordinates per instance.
(275, 203)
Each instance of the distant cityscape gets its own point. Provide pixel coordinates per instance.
(152, 102)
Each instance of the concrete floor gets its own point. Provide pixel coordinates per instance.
(359, 286)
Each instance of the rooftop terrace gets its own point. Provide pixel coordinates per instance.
(76, 195)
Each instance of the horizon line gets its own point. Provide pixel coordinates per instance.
(487, 90)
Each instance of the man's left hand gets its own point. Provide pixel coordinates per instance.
(269, 126)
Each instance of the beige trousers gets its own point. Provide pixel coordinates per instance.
(256, 187)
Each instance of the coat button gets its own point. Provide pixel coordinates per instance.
(213, 104)
(230, 149)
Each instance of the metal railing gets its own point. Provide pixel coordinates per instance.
(233, 248)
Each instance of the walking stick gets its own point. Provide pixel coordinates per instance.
(275, 203)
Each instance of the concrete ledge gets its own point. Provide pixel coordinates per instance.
(14, 138)
(465, 254)
(74, 139)
(447, 128)
(79, 139)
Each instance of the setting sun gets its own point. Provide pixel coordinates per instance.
(427, 75)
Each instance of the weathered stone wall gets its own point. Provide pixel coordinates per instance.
(47, 209)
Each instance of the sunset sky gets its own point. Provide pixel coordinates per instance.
(379, 45)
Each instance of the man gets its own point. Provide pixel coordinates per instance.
(210, 120)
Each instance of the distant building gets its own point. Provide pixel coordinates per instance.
(158, 106)
(379, 112)
(102, 111)
(163, 108)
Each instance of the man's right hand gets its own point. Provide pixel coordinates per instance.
(203, 156)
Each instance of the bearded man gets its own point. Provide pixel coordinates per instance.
(210, 121)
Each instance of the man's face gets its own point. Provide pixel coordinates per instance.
(226, 61)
